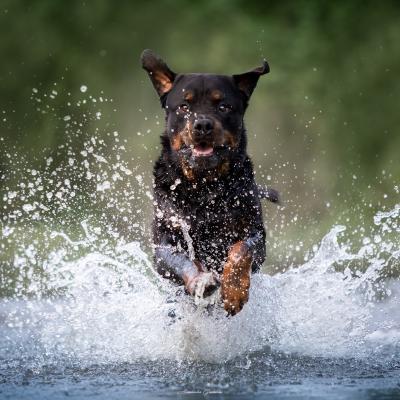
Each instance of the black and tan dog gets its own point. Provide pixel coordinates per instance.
(208, 227)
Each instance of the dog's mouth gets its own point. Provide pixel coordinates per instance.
(202, 149)
(203, 155)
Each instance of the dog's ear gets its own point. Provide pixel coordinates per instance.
(247, 82)
(161, 76)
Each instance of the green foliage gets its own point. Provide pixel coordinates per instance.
(323, 125)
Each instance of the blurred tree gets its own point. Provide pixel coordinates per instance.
(325, 116)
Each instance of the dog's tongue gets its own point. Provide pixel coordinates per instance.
(202, 151)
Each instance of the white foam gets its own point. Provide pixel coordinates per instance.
(92, 297)
(116, 308)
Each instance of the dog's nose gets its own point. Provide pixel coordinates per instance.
(203, 126)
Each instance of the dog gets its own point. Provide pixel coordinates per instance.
(208, 228)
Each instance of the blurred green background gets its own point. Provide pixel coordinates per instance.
(323, 125)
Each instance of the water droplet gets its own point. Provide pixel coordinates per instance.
(28, 207)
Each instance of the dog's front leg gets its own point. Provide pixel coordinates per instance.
(235, 281)
(178, 267)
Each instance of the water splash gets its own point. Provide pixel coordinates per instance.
(92, 296)
(115, 308)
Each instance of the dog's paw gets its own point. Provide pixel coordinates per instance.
(235, 293)
(203, 285)
(235, 281)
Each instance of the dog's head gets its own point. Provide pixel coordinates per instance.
(204, 113)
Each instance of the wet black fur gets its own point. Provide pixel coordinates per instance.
(219, 213)
(220, 209)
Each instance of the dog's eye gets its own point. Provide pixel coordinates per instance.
(183, 108)
(224, 108)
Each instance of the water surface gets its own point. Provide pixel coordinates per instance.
(119, 330)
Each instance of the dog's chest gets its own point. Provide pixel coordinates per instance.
(214, 224)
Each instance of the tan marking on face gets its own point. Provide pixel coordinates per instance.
(230, 139)
(218, 137)
(216, 95)
(177, 142)
(182, 137)
(188, 96)
(224, 137)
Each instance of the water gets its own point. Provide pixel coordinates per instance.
(120, 330)
(83, 314)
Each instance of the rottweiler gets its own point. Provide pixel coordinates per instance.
(208, 227)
